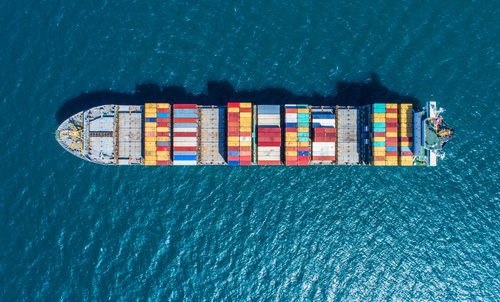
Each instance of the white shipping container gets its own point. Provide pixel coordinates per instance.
(245, 138)
(178, 129)
(185, 139)
(185, 144)
(184, 163)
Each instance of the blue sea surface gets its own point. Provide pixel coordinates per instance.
(76, 231)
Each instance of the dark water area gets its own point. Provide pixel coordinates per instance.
(75, 231)
(221, 92)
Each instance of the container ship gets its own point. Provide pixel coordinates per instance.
(246, 134)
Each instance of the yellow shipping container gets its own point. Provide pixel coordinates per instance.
(245, 105)
(391, 115)
(387, 163)
(233, 138)
(405, 144)
(303, 144)
(378, 148)
(291, 143)
(379, 139)
(150, 139)
(379, 163)
(391, 134)
(233, 109)
(233, 144)
(245, 144)
(150, 115)
(149, 106)
(246, 114)
(163, 139)
(150, 124)
(150, 163)
(245, 120)
(379, 153)
(378, 119)
(245, 129)
(391, 105)
(303, 110)
(163, 129)
(150, 153)
(377, 115)
(163, 105)
(150, 144)
(162, 153)
(303, 129)
(291, 153)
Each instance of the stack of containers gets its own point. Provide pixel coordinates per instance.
(406, 134)
(162, 134)
(233, 134)
(325, 135)
(268, 135)
(378, 139)
(297, 145)
(391, 134)
(150, 134)
(239, 138)
(245, 134)
(185, 134)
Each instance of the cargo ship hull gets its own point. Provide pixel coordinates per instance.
(245, 134)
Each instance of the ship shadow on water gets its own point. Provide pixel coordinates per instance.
(220, 92)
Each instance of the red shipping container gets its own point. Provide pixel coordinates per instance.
(246, 158)
(185, 120)
(392, 153)
(270, 144)
(233, 134)
(162, 133)
(302, 149)
(391, 129)
(233, 158)
(379, 158)
(185, 134)
(245, 134)
(185, 106)
(291, 130)
(406, 153)
(391, 110)
(269, 130)
(245, 148)
(162, 119)
(269, 139)
(378, 134)
(162, 162)
(233, 148)
(185, 148)
(233, 105)
(391, 139)
(162, 124)
(391, 120)
(163, 110)
(245, 109)
(162, 148)
(245, 163)
(291, 148)
(291, 110)
(325, 130)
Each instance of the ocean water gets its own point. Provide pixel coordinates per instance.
(76, 231)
